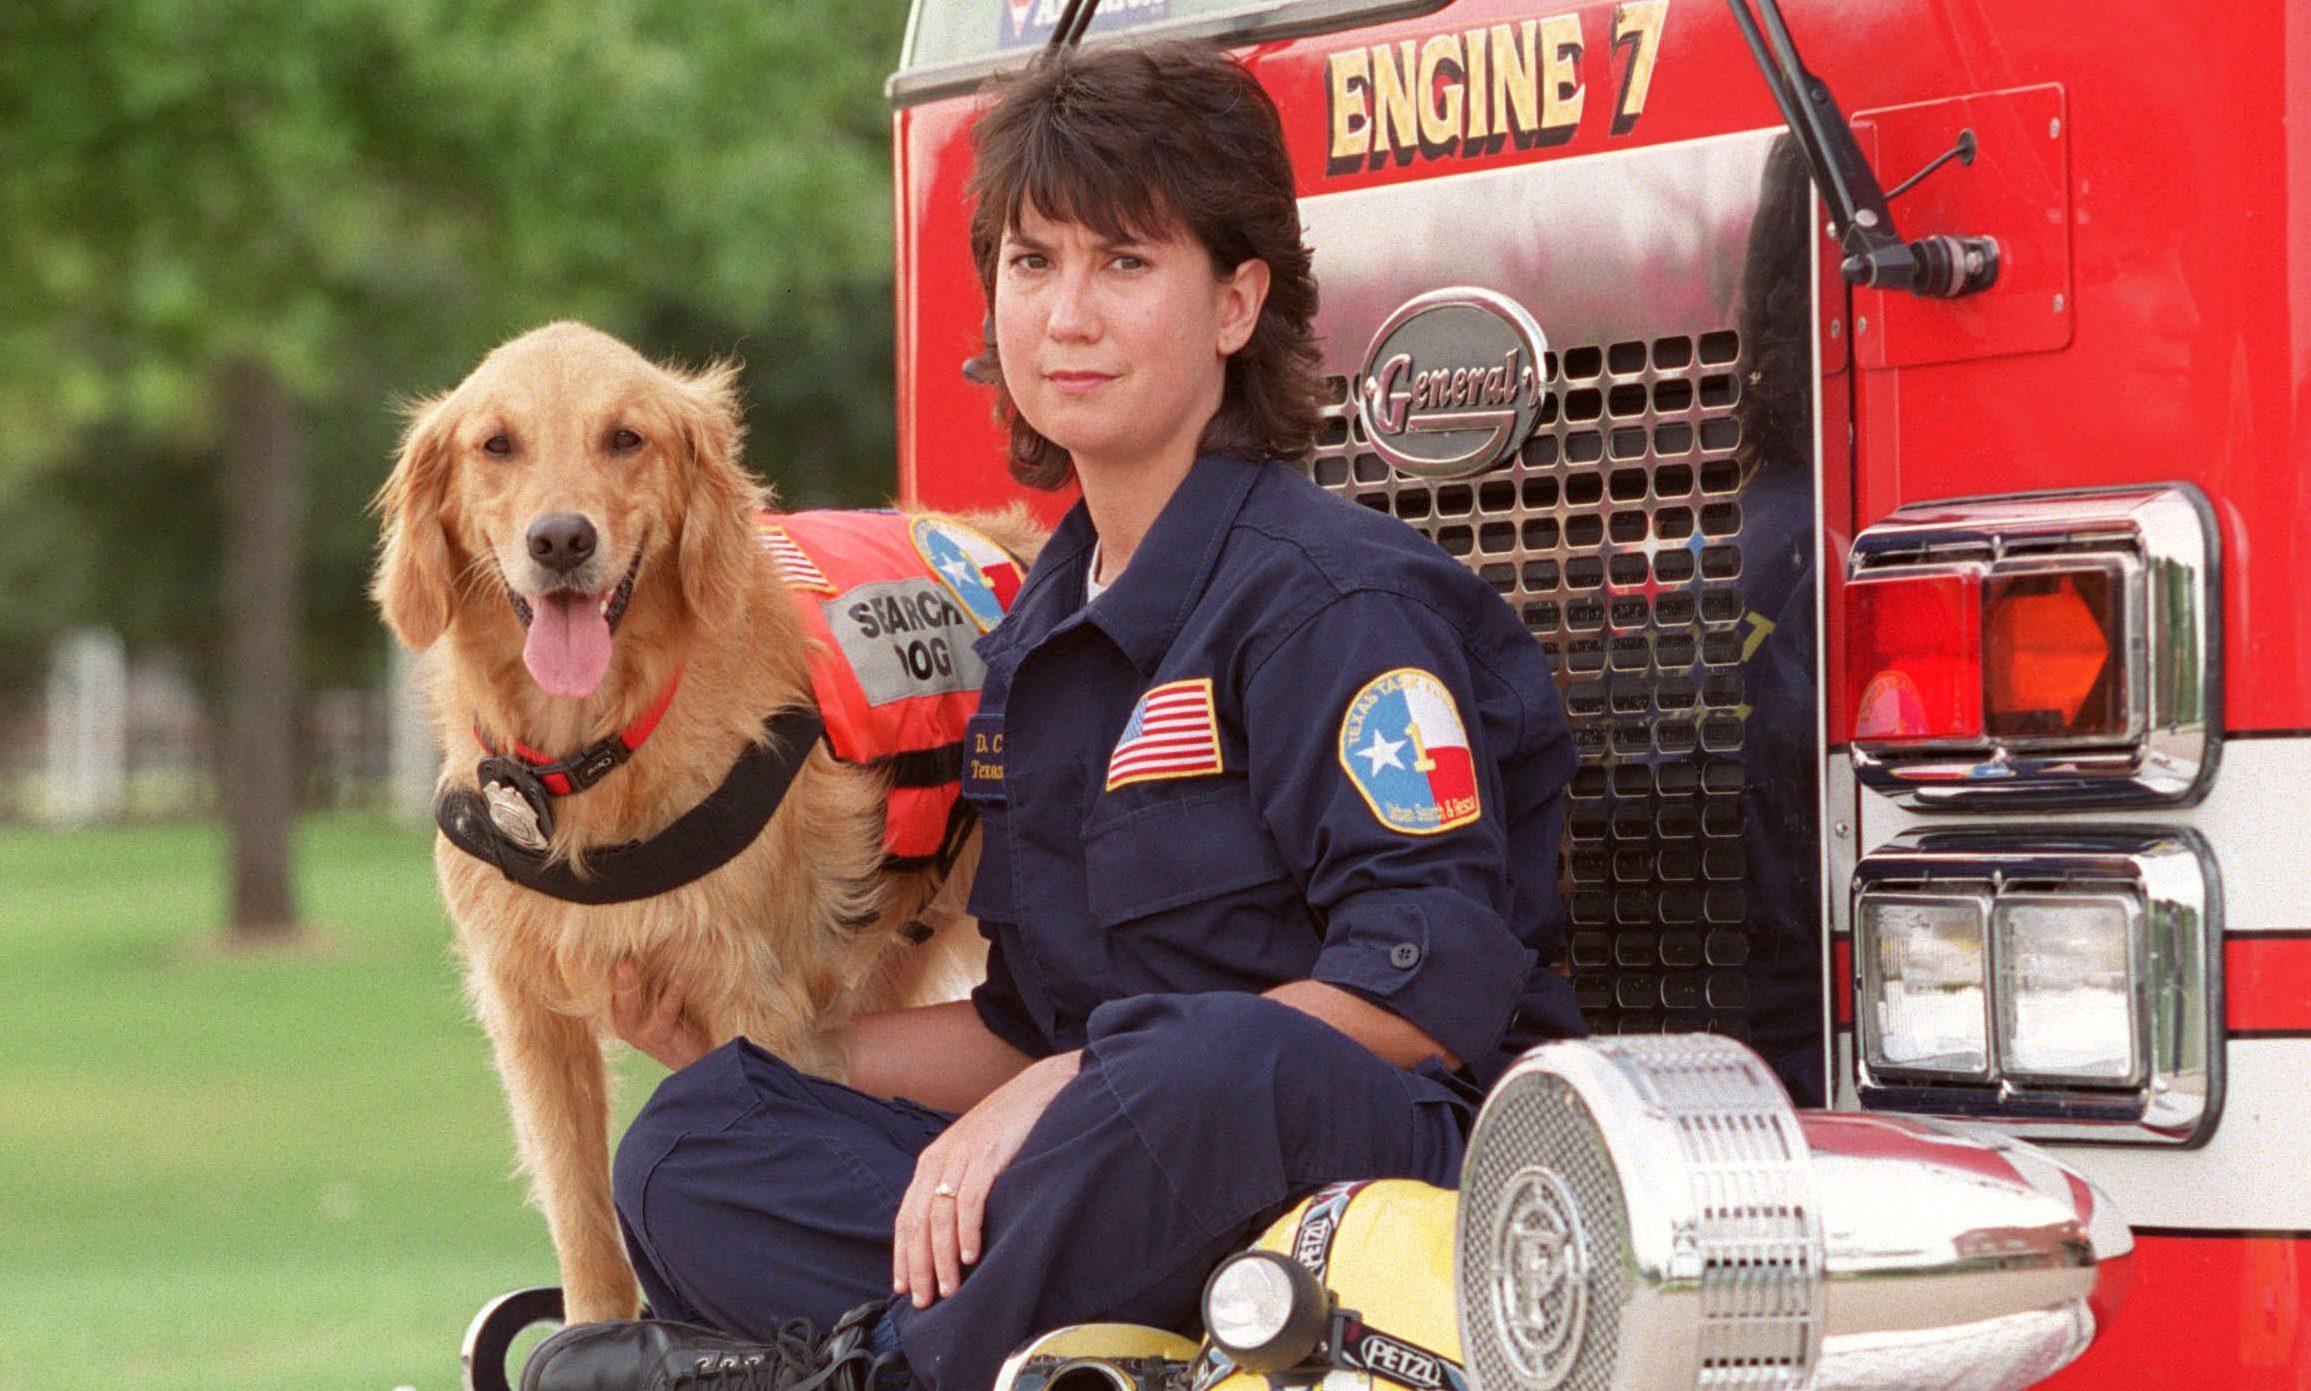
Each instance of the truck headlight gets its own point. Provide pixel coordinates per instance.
(2063, 979)
(1649, 1213)
(1925, 997)
(2069, 974)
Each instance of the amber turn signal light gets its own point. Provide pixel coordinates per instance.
(2050, 642)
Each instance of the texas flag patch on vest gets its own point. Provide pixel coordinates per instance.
(1403, 745)
(1172, 733)
(982, 575)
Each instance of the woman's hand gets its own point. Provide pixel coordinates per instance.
(657, 1027)
(940, 1219)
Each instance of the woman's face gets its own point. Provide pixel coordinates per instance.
(1116, 351)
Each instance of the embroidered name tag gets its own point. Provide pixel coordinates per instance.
(983, 759)
(1403, 745)
(1172, 733)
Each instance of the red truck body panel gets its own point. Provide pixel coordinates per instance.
(2147, 171)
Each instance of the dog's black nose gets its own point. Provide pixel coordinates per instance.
(562, 542)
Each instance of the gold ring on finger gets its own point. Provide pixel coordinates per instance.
(944, 1190)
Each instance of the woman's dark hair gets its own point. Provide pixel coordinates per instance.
(1147, 141)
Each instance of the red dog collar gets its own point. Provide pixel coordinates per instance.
(589, 765)
(517, 786)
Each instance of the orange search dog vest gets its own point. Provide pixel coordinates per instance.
(895, 602)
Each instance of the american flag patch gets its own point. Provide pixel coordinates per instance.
(799, 570)
(1172, 734)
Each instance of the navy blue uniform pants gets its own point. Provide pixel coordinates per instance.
(751, 1193)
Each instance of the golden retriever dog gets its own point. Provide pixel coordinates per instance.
(568, 532)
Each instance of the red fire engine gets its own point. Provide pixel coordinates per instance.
(1901, 452)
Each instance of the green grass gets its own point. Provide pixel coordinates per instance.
(243, 1171)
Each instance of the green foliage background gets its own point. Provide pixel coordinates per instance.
(292, 1170)
(245, 1172)
(365, 196)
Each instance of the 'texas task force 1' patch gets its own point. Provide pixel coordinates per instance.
(982, 575)
(1404, 747)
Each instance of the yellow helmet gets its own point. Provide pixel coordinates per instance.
(1356, 1280)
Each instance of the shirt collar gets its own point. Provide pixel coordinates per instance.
(1145, 607)
(1052, 594)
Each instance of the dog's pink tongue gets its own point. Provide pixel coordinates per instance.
(569, 645)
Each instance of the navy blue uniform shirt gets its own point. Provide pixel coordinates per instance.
(1293, 740)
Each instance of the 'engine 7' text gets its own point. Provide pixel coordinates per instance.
(1472, 92)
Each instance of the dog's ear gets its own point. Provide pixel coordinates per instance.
(715, 551)
(415, 581)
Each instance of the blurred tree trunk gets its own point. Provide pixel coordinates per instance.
(263, 507)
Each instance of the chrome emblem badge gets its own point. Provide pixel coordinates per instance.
(516, 818)
(1540, 1276)
(517, 803)
(1452, 382)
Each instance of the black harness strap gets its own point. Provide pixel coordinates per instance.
(921, 767)
(707, 837)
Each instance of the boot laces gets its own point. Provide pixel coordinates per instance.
(797, 1358)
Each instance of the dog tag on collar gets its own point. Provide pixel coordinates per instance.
(518, 803)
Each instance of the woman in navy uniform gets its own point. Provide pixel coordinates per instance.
(1270, 789)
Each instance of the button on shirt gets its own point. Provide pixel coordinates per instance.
(1293, 740)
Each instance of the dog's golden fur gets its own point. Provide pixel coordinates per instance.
(761, 944)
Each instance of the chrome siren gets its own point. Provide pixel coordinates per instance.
(1650, 1212)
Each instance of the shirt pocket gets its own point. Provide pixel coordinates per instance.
(1176, 852)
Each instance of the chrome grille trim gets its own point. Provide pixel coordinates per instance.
(1626, 573)
(1656, 530)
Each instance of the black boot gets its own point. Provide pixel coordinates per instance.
(651, 1355)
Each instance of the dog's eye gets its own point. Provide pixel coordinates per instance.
(499, 444)
(624, 440)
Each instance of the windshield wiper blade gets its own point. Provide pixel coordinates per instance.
(1072, 22)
